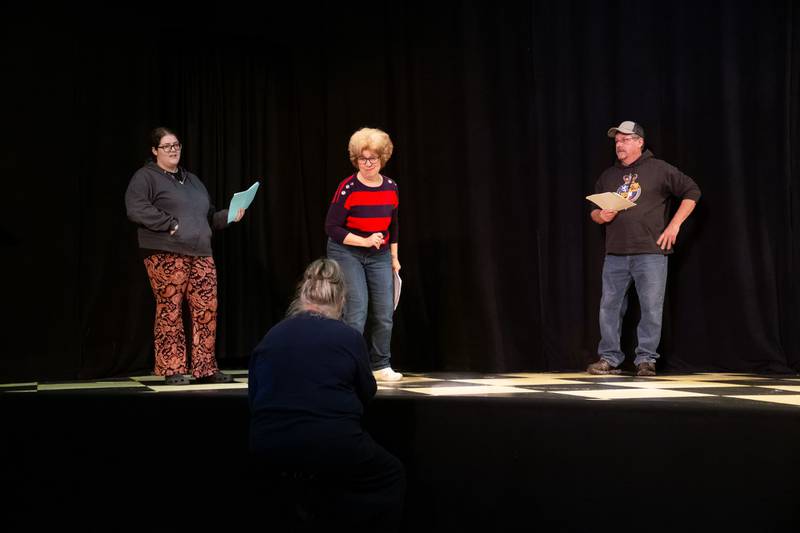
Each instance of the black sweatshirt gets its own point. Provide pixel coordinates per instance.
(650, 183)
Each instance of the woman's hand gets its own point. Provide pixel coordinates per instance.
(239, 215)
(395, 263)
(376, 240)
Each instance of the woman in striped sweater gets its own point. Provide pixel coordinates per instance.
(362, 237)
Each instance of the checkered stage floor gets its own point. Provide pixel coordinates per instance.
(719, 388)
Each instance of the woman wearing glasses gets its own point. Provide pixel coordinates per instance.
(173, 210)
(362, 237)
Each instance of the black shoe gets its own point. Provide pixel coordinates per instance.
(216, 377)
(176, 379)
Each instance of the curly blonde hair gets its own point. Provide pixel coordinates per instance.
(372, 139)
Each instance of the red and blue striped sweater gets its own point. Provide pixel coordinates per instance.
(362, 210)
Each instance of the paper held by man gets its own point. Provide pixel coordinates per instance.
(611, 201)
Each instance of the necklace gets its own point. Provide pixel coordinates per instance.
(178, 175)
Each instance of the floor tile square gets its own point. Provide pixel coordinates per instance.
(202, 386)
(14, 385)
(789, 388)
(785, 399)
(474, 390)
(538, 379)
(630, 394)
(555, 375)
(654, 384)
(83, 385)
(712, 376)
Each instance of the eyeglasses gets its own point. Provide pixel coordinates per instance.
(370, 160)
(626, 139)
(174, 147)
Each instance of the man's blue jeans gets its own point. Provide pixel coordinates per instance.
(370, 295)
(649, 274)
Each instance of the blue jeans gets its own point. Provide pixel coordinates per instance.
(370, 295)
(649, 274)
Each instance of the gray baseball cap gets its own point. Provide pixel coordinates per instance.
(629, 128)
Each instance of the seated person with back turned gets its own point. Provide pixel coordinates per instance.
(308, 383)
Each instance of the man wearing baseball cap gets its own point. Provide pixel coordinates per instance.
(638, 243)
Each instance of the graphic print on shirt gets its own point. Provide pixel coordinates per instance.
(630, 188)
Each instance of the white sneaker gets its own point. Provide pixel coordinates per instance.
(387, 374)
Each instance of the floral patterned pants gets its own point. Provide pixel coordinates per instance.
(174, 277)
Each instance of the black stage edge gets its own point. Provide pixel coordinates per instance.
(179, 461)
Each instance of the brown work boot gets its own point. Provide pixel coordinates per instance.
(602, 367)
(646, 369)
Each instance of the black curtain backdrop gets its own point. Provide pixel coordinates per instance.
(498, 113)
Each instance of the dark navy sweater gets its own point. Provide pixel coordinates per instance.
(308, 383)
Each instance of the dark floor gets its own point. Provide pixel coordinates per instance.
(500, 452)
(702, 389)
